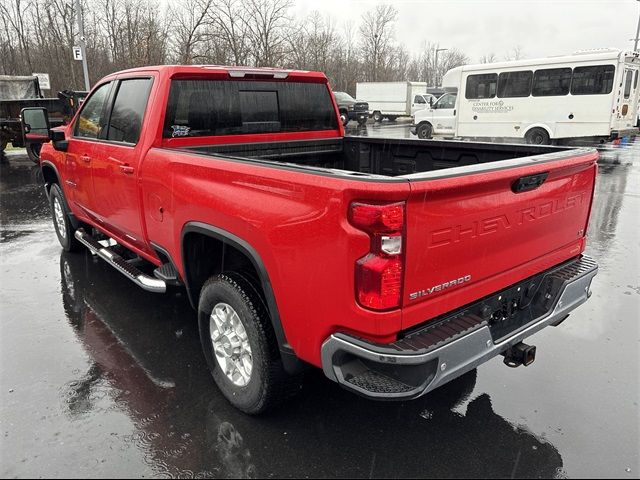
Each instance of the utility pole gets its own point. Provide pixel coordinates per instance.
(436, 68)
(83, 46)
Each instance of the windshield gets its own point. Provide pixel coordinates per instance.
(344, 97)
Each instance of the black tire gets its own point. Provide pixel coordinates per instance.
(362, 121)
(537, 136)
(424, 131)
(344, 118)
(268, 383)
(61, 223)
(377, 116)
(3, 157)
(33, 152)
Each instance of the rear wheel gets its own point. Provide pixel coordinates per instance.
(424, 131)
(377, 116)
(537, 136)
(240, 346)
(33, 152)
(61, 223)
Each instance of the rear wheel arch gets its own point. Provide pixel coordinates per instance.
(228, 252)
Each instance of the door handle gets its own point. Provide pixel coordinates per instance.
(126, 169)
(85, 158)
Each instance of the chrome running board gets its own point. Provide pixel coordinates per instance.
(148, 283)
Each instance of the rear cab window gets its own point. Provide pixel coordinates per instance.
(202, 107)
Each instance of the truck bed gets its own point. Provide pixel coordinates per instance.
(384, 157)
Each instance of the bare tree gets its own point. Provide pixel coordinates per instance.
(191, 19)
(267, 23)
(38, 35)
(515, 53)
(488, 58)
(376, 32)
(229, 27)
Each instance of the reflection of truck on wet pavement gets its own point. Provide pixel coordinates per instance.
(592, 94)
(18, 92)
(393, 265)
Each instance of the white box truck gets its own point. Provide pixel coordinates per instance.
(394, 99)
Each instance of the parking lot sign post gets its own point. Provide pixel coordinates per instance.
(80, 53)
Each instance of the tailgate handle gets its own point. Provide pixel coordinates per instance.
(530, 182)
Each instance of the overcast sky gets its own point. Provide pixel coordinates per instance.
(479, 27)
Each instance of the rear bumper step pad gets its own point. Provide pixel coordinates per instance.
(445, 349)
(130, 271)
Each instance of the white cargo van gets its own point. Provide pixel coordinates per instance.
(587, 94)
(394, 99)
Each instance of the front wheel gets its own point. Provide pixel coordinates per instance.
(239, 345)
(362, 121)
(377, 117)
(424, 131)
(62, 225)
(33, 152)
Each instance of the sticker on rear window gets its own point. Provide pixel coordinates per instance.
(180, 130)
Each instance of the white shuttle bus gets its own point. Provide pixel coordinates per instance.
(587, 94)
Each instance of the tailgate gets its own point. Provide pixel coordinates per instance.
(470, 234)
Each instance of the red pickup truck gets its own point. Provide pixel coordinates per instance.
(393, 265)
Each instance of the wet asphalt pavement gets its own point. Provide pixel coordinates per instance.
(99, 378)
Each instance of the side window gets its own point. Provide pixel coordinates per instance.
(419, 99)
(593, 80)
(551, 82)
(91, 120)
(446, 101)
(635, 80)
(125, 122)
(627, 84)
(481, 86)
(515, 84)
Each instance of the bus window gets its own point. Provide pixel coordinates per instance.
(551, 81)
(594, 80)
(515, 84)
(627, 84)
(481, 86)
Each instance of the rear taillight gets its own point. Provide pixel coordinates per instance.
(378, 274)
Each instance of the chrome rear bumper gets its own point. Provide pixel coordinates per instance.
(436, 354)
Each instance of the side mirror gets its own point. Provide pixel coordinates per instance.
(35, 125)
